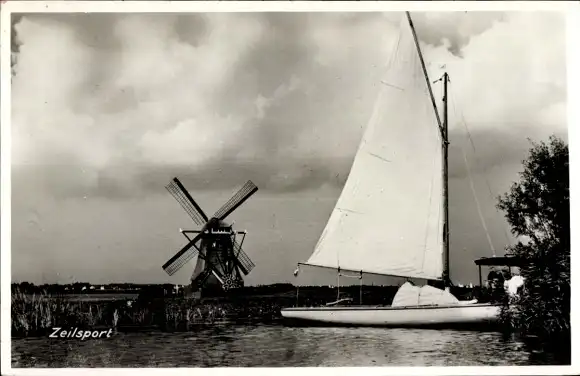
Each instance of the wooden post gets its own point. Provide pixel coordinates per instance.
(297, 291)
(338, 285)
(360, 292)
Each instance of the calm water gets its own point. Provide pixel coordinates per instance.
(271, 346)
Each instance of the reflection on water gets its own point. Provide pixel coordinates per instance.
(272, 346)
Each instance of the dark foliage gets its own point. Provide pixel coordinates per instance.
(538, 210)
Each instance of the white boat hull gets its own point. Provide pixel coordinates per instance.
(412, 316)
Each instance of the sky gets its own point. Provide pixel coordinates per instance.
(107, 108)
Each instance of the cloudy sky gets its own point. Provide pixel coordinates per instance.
(106, 108)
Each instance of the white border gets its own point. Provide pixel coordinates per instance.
(573, 64)
(279, 6)
(573, 73)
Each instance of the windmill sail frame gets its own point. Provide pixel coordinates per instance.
(216, 246)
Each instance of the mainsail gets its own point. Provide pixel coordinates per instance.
(389, 217)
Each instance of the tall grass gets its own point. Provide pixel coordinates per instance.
(36, 314)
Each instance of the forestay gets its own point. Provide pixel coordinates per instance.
(388, 218)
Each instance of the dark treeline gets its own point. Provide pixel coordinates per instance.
(85, 288)
(304, 294)
(151, 289)
(89, 288)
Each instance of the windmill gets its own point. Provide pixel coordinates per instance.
(221, 259)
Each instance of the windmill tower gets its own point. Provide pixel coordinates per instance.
(218, 247)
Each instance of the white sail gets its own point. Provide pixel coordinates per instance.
(388, 218)
(409, 295)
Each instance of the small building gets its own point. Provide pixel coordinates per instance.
(504, 261)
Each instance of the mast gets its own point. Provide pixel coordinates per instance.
(445, 171)
(445, 141)
(445, 146)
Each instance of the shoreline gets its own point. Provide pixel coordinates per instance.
(34, 314)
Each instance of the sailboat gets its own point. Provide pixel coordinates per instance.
(391, 217)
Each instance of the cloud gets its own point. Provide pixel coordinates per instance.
(106, 108)
(454, 30)
(169, 98)
(507, 85)
(281, 98)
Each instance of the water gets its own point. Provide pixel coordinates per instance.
(275, 346)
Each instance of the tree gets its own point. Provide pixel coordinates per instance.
(537, 208)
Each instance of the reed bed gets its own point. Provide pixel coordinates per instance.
(37, 314)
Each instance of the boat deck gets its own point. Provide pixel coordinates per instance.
(385, 307)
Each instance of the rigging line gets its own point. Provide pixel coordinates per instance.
(431, 186)
(491, 194)
(338, 250)
(440, 224)
(474, 192)
(477, 202)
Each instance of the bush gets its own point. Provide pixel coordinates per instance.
(538, 210)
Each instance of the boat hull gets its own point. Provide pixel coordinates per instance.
(456, 316)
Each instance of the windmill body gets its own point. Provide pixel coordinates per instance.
(221, 261)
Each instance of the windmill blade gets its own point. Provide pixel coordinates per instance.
(242, 259)
(238, 199)
(187, 202)
(182, 257)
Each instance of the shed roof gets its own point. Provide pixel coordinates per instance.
(499, 261)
